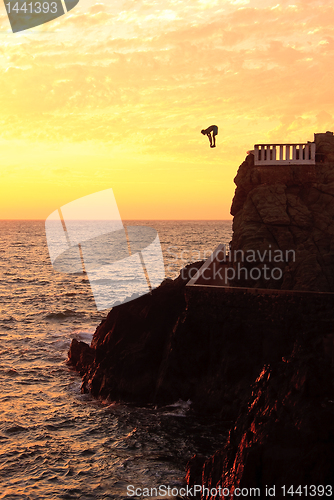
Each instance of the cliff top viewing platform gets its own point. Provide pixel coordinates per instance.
(284, 154)
(283, 229)
(307, 153)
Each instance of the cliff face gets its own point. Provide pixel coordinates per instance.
(284, 435)
(199, 343)
(284, 218)
(127, 351)
(263, 360)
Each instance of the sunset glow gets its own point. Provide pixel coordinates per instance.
(114, 95)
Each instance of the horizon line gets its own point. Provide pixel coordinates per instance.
(43, 220)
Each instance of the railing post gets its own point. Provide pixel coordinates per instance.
(256, 153)
(294, 152)
(274, 152)
(267, 152)
(301, 152)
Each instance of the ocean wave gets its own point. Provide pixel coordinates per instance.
(12, 372)
(178, 409)
(63, 314)
(50, 429)
(8, 319)
(14, 429)
(84, 336)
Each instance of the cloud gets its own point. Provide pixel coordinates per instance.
(252, 62)
(118, 92)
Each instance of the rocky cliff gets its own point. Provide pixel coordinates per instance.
(200, 344)
(261, 359)
(284, 218)
(284, 434)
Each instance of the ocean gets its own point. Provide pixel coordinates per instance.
(57, 443)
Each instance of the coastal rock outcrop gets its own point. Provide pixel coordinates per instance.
(285, 216)
(125, 359)
(284, 435)
(263, 359)
(199, 343)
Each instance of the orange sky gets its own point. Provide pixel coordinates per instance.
(116, 95)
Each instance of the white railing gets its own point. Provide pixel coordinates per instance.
(284, 154)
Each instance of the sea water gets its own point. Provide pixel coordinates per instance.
(55, 442)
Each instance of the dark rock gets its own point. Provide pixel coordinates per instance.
(128, 348)
(203, 344)
(324, 146)
(194, 469)
(210, 344)
(287, 209)
(80, 356)
(285, 434)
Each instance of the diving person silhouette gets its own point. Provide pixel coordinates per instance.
(212, 139)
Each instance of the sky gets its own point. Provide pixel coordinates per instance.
(114, 95)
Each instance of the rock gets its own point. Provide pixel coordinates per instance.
(285, 434)
(287, 208)
(80, 356)
(203, 344)
(324, 146)
(126, 355)
(261, 358)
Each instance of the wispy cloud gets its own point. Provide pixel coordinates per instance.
(153, 73)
